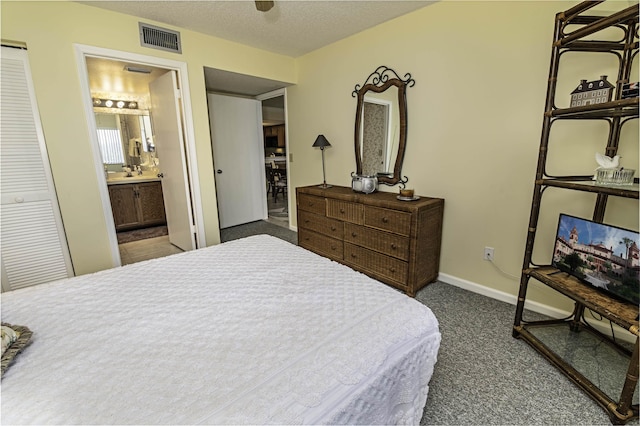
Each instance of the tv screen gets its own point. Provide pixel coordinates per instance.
(603, 256)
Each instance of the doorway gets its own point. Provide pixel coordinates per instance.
(275, 151)
(259, 90)
(152, 83)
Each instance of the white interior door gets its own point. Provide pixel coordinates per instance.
(34, 245)
(238, 157)
(169, 141)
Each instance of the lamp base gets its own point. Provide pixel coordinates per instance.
(325, 186)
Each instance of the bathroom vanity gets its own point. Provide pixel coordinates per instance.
(136, 203)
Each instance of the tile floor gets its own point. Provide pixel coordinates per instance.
(278, 210)
(150, 248)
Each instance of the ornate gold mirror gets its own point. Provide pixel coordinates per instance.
(381, 125)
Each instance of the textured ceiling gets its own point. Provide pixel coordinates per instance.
(291, 27)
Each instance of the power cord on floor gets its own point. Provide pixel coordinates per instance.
(506, 274)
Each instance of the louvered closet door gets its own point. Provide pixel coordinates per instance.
(34, 247)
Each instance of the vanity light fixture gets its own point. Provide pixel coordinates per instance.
(322, 143)
(109, 103)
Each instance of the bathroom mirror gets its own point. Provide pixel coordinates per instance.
(125, 140)
(381, 125)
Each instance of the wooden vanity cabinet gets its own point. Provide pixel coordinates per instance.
(137, 205)
(396, 242)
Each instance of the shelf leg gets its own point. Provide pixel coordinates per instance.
(578, 312)
(623, 408)
(522, 295)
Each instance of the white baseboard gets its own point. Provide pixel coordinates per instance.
(540, 308)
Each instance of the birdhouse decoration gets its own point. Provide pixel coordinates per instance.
(592, 92)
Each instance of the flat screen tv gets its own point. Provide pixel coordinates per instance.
(603, 256)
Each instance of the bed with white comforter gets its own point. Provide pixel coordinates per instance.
(254, 331)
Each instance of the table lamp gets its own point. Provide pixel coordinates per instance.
(322, 143)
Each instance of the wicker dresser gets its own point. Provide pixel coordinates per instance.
(396, 242)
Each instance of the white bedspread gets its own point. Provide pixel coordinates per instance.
(251, 331)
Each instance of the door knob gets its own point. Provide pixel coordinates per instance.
(219, 171)
(160, 175)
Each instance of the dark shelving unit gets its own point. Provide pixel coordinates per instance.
(573, 31)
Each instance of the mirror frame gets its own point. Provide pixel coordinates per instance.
(379, 81)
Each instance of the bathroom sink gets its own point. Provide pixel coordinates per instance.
(121, 178)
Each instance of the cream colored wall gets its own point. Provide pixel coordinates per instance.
(475, 115)
(50, 30)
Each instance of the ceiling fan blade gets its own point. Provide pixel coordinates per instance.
(264, 6)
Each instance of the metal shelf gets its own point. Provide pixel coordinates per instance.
(617, 112)
(588, 185)
(616, 108)
(622, 313)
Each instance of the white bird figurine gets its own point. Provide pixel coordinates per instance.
(606, 162)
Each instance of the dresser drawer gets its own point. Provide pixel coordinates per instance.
(385, 266)
(312, 204)
(324, 225)
(382, 242)
(320, 244)
(344, 210)
(388, 220)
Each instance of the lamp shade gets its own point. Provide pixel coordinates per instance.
(321, 142)
(264, 6)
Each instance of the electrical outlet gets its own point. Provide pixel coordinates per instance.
(488, 253)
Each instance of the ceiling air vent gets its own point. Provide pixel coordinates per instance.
(159, 38)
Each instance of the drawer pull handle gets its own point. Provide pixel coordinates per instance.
(306, 239)
(353, 255)
(392, 269)
(333, 248)
(333, 228)
(393, 246)
(342, 211)
(385, 220)
(353, 234)
(306, 221)
(310, 204)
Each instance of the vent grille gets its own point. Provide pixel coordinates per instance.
(159, 38)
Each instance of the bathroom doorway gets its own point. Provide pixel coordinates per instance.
(143, 193)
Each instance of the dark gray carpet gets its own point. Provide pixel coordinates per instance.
(486, 377)
(483, 375)
(257, 228)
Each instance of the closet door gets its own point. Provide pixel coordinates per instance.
(34, 247)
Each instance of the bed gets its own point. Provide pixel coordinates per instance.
(252, 331)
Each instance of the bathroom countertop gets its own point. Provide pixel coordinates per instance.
(133, 179)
